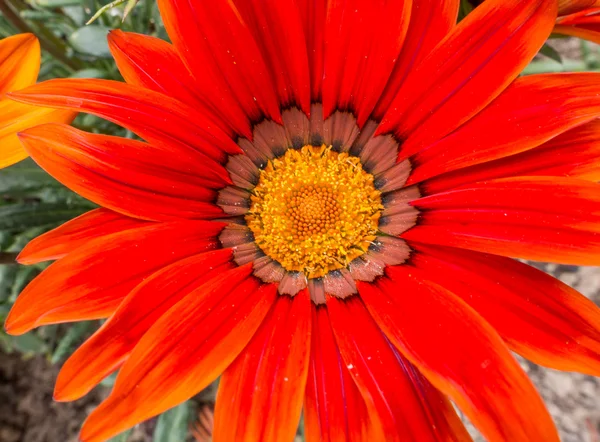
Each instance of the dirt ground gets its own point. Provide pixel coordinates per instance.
(28, 413)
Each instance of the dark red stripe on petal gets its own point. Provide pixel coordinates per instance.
(460, 354)
(529, 112)
(155, 64)
(575, 153)
(127, 176)
(76, 233)
(110, 346)
(357, 63)
(430, 22)
(93, 280)
(260, 394)
(218, 47)
(538, 316)
(399, 397)
(185, 350)
(278, 32)
(469, 68)
(313, 13)
(334, 410)
(152, 115)
(537, 218)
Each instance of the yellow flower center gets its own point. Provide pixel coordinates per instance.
(314, 210)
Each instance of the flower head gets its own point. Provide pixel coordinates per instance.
(324, 211)
(19, 67)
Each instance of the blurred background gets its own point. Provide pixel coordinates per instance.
(31, 203)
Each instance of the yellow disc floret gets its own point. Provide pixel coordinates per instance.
(314, 210)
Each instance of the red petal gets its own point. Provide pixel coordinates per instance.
(185, 350)
(153, 63)
(157, 185)
(531, 111)
(574, 153)
(20, 61)
(357, 65)
(460, 354)
(313, 13)
(218, 47)
(260, 394)
(277, 30)
(537, 315)
(91, 282)
(399, 397)
(110, 346)
(468, 69)
(537, 218)
(334, 410)
(585, 32)
(75, 233)
(430, 22)
(571, 6)
(153, 116)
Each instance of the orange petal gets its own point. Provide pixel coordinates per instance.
(277, 29)
(397, 395)
(75, 233)
(571, 6)
(15, 117)
(217, 45)
(460, 354)
(154, 64)
(357, 65)
(480, 57)
(574, 153)
(110, 346)
(260, 394)
(430, 22)
(93, 280)
(185, 350)
(158, 185)
(313, 13)
(538, 218)
(153, 116)
(591, 33)
(19, 62)
(529, 112)
(334, 410)
(538, 316)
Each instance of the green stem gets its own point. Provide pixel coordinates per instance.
(48, 40)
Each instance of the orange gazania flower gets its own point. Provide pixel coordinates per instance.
(19, 67)
(325, 212)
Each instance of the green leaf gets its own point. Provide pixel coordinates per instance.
(90, 73)
(91, 40)
(29, 343)
(69, 340)
(551, 53)
(122, 437)
(172, 425)
(25, 175)
(19, 217)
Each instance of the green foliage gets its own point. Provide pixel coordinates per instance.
(172, 425)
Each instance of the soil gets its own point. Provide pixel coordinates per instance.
(28, 413)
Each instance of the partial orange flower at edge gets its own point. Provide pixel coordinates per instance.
(19, 67)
